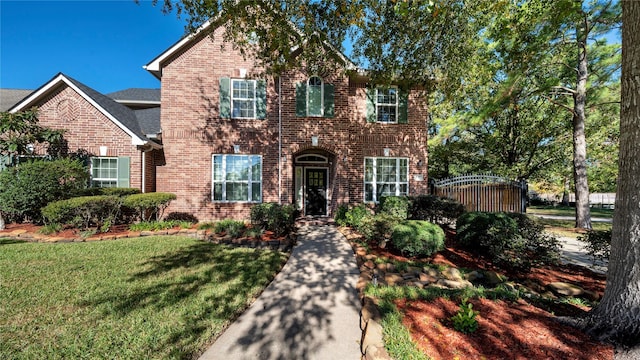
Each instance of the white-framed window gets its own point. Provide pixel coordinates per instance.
(104, 172)
(387, 105)
(315, 96)
(385, 176)
(243, 99)
(237, 178)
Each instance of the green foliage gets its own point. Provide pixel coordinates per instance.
(159, 225)
(274, 217)
(341, 215)
(435, 209)
(231, 227)
(378, 228)
(509, 240)
(206, 226)
(253, 232)
(354, 215)
(20, 133)
(396, 206)
(49, 229)
(598, 244)
(417, 238)
(94, 191)
(148, 205)
(84, 212)
(28, 187)
(465, 319)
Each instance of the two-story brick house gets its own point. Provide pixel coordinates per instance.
(315, 140)
(229, 139)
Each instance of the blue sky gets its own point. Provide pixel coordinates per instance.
(103, 44)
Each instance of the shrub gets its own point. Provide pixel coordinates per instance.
(148, 205)
(159, 225)
(50, 229)
(182, 216)
(417, 238)
(397, 206)
(206, 226)
(84, 212)
(253, 232)
(465, 319)
(598, 244)
(274, 217)
(231, 227)
(434, 209)
(30, 186)
(94, 191)
(377, 229)
(509, 240)
(341, 215)
(356, 214)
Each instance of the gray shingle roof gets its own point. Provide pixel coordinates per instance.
(123, 114)
(149, 120)
(10, 97)
(136, 94)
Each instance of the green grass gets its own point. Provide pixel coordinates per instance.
(567, 227)
(568, 211)
(144, 298)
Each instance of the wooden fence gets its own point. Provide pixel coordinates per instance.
(484, 192)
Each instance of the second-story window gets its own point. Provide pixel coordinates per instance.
(243, 98)
(315, 103)
(387, 105)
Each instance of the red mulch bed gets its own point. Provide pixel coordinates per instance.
(506, 330)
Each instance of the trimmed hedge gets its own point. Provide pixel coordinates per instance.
(377, 228)
(149, 205)
(274, 217)
(95, 191)
(510, 240)
(354, 215)
(434, 209)
(396, 206)
(417, 238)
(85, 211)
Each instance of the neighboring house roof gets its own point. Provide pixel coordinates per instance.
(10, 97)
(121, 115)
(155, 65)
(149, 120)
(137, 97)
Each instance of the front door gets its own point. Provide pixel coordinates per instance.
(316, 191)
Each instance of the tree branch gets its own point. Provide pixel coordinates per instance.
(559, 104)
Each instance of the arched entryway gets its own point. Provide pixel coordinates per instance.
(312, 181)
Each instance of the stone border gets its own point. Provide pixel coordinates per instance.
(284, 245)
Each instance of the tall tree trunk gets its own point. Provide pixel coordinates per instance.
(617, 317)
(583, 214)
(2, 224)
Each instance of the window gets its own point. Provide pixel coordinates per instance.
(385, 176)
(387, 105)
(243, 98)
(237, 178)
(315, 104)
(104, 172)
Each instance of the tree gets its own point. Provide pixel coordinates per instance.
(20, 135)
(617, 317)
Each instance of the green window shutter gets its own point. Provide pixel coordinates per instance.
(301, 99)
(261, 99)
(123, 172)
(225, 98)
(403, 105)
(371, 105)
(329, 104)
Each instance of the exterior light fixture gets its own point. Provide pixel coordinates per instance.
(236, 149)
(314, 141)
(387, 151)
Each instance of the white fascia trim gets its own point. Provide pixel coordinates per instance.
(154, 65)
(139, 102)
(135, 140)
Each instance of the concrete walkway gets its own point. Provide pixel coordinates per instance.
(309, 311)
(571, 218)
(573, 252)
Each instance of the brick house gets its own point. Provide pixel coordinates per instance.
(228, 139)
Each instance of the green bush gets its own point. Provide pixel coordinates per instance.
(509, 240)
(149, 205)
(397, 206)
(94, 191)
(417, 238)
(182, 216)
(341, 215)
(377, 229)
(435, 209)
(280, 219)
(465, 319)
(30, 186)
(598, 244)
(84, 212)
(356, 214)
(159, 225)
(231, 227)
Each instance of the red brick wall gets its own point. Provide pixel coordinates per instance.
(87, 128)
(193, 131)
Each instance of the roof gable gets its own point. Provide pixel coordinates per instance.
(121, 115)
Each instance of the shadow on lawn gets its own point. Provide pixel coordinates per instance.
(11, 241)
(226, 275)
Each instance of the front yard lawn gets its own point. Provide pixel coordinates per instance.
(154, 297)
(568, 211)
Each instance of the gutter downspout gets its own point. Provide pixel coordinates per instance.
(280, 140)
(144, 169)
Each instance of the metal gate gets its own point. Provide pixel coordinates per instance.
(484, 192)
